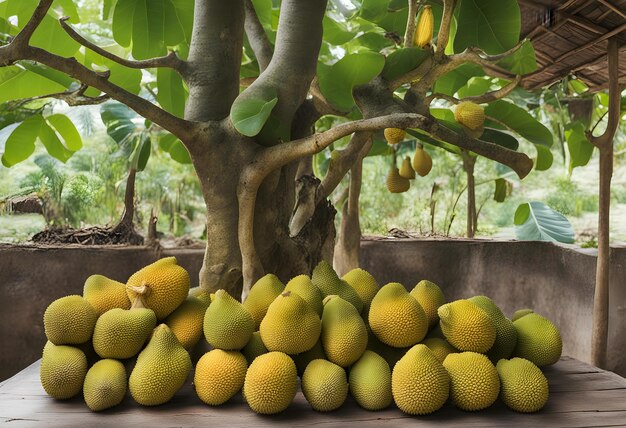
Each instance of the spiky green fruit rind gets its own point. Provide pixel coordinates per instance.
(227, 323)
(520, 313)
(104, 293)
(254, 347)
(395, 182)
(469, 114)
(538, 340)
(105, 385)
(303, 287)
(466, 326)
(62, 371)
(524, 388)
(271, 383)
(69, 320)
(474, 381)
(261, 295)
(370, 382)
(219, 375)
(430, 297)
(324, 385)
(325, 278)
(364, 284)
(506, 335)
(121, 333)
(344, 336)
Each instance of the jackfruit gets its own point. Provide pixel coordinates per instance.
(325, 278)
(161, 369)
(163, 285)
(474, 381)
(430, 297)
(425, 27)
(396, 318)
(69, 320)
(62, 371)
(219, 376)
(538, 340)
(103, 294)
(524, 388)
(200, 294)
(520, 313)
(419, 383)
(121, 333)
(324, 385)
(471, 116)
(105, 385)
(370, 382)
(227, 323)
(303, 359)
(261, 295)
(254, 347)
(303, 287)
(506, 335)
(394, 135)
(395, 182)
(422, 162)
(439, 347)
(466, 326)
(271, 383)
(406, 170)
(290, 325)
(365, 286)
(186, 321)
(344, 336)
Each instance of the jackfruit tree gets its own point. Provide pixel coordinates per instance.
(242, 88)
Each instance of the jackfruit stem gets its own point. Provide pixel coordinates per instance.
(286, 294)
(420, 146)
(141, 292)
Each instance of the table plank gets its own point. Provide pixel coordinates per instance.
(580, 396)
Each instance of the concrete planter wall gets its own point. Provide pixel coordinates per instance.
(556, 281)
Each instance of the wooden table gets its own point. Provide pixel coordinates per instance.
(580, 396)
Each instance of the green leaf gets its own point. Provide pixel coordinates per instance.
(475, 86)
(107, 8)
(118, 119)
(402, 61)
(19, 143)
(53, 144)
(250, 114)
(535, 221)
(175, 148)
(520, 121)
(127, 78)
(336, 33)
(69, 9)
(500, 138)
(171, 94)
(523, 61)
(544, 158)
(144, 152)
(337, 81)
(66, 129)
(50, 36)
(492, 25)
(380, 148)
(454, 80)
(49, 73)
(428, 139)
(501, 189)
(373, 9)
(580, 149)
(17, 83)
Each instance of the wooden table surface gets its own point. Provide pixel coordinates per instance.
(580, 396)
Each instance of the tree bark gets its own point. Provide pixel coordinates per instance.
(468, 165)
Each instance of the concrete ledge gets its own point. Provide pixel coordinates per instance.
(555, 280)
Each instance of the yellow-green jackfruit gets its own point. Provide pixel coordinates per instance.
(466, 326)
(325, 278)
(219, 376)
(344, 336)
(370, 382)
(324, 385)
(271, 383)
(506, 335)
(524, 388)
(474, 381)
(103, 294)
(105, 385)
(303, 287)
(227, 323)
(62, 371)
(261, 295)
(187, 320)
(430, 297)
(69, 321)
(538, 340)
(365, 286)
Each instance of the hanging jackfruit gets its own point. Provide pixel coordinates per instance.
(471, 116)
(394, 135)
(406, 170)
(425, 27)
(396, 183)
(422, 162)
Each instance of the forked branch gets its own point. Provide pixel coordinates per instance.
(444, 29)
(257, 37)
(479, 99)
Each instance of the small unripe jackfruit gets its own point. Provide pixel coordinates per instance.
(103, 294)
(325, 278)
(422, 162)
(395, 182)
(524, 388)
(261, 295)
(62, 371)
(219, 376)
(344, 336)
(394, 135)
(430, 297)
(69, 321)
(161, 369)
(419, 382)
(466, 326)
(227, 323)
(163, 285)
(470, 115)
(520, 313)
(474, 381)
(406, 170)
(324, 385)
(425, 27)
(370, 381)
(538, 340)
(271, 383)
(121, 333)
(105, 385)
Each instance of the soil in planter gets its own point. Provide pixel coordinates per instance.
(89, 236)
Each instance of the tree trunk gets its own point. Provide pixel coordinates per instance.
(468, 165)
(126, 222)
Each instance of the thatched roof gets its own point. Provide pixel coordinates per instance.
(570, 37)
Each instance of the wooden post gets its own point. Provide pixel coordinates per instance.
(604, 143)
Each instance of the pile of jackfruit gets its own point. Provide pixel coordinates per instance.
(340, 336)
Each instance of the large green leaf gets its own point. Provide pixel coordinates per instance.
(402, 61)
(336, 33)
(337, 81)
(535, 221)
(171, 94)
(53, 143)
(373, 9)
(522, 61)
(176, 149)
(580, 149)
(544, 158)
(492, 25)
(19, 140)
(520, 121)
(500, 138)
(149, 25)
(127, 78)
(250, 114)
(51, 37)
(454, 80)
(118, 119)
(17, 83)
(66, 129)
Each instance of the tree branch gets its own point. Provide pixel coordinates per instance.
(72, 98)
(409, 34)
(479, 99)
(23, 37)
(214, 59)
(171, 60)
(444, 29)
(257, 37)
